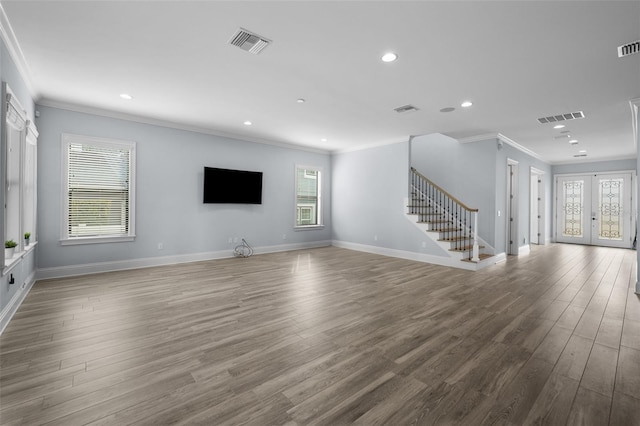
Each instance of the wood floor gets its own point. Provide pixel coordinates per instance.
(332, 336)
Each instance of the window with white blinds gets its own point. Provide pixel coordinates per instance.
(99, 190)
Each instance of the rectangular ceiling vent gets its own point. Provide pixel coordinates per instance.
(405, 109)
(251, 42)
(629, 49)
(580, 155)
(561, 117)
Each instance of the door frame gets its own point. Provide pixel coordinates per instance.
(633, 190)
(513, 188)
(537, 206)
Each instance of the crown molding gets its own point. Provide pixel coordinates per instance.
(15, 52)
(635, 116)
(594, 160)
(370, 146)
(504, 139)
(172, 125)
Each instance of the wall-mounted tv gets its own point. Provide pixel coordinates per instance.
(224, 186)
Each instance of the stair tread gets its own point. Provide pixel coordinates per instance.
(460, 238)
(481, 257)
(445, 230)
(464, 248)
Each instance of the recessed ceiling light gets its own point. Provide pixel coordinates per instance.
(248, 123)
(466, 104)
(300, 101)
(389, 57)
(126, 96)
(582, 151)
(573, 141)
(447, 109)
(558, 126)
(323, 140)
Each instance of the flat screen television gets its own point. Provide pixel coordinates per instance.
(224, 186)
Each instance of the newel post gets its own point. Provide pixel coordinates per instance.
(476, 248)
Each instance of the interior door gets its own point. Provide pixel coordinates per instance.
(595, 209)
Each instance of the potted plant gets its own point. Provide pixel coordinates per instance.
(9, 248)
(27, 235)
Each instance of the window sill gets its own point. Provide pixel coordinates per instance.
(11, 263)
(96, 240)
(308, 227)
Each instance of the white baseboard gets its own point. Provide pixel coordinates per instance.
(409, 255)
(121, 265)
(15, 302)
(522, 250)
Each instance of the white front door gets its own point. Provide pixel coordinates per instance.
(595, 209)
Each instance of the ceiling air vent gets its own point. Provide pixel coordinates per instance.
(561, 117)
(251, 42)
(580, 155)
(405, 109)
(629, 49)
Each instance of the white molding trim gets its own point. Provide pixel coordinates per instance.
(9, 311)
(505, 139)
(523, 250)
(15, 52)
(372, 145)
(637, 287)
(121, 265)
(594, 160)
(419, 257)
(635, 117)
(172, 125)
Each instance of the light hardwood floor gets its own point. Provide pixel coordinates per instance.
(331, 336)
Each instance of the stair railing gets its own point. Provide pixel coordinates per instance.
(456, 222)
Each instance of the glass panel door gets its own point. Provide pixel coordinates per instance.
(595, 209)
(574, 210)
(613, 210)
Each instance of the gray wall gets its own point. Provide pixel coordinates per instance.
(476, 173)
(169, 206)
(525, 162)
(25, 268)
(369, 192)
(463, 170)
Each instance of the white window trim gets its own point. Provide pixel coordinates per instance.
(68, 139)
(320, 225)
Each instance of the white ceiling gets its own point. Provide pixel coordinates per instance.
(517, 61)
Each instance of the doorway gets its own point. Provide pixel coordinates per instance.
(537, 232)
(595, 209)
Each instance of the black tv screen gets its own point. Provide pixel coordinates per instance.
(224, 186)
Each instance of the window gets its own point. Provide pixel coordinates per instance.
(20, 152)
(308, 197)
(99, 188)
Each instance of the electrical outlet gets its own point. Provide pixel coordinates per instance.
(284, 236)
(230, 240)
(424, 244)
(160, 246)
(375, 238)
(235, 240)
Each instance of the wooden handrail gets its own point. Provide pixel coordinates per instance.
(463, 205)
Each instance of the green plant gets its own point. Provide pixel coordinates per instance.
(27, 235)
(10, 244)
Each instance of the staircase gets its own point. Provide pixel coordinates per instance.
(448, 222)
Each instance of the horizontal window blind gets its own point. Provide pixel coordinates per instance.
(98, 190)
